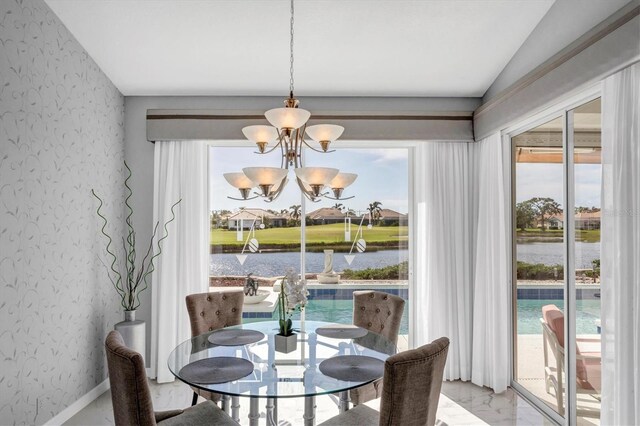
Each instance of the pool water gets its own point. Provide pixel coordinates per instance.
(338, 311)
(530, 312)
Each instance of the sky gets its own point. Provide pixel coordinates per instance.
(382, 176)
(545, 180)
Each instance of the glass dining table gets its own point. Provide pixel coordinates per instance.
(329, 359)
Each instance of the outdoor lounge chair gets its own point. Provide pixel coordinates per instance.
(588, 364)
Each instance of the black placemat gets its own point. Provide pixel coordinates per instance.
(235, 337)
(342, 331)
(216, 370)
(352, 368)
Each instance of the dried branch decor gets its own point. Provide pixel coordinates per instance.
(133, 279)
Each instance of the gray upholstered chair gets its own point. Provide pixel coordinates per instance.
(131, 397)
(209, 312)
(381, 313)
(412, 384)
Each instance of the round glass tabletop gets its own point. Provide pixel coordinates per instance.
(283, 375)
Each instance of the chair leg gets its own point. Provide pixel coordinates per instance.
(194, 400)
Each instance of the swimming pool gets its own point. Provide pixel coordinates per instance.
(530, 312)
(336, 305)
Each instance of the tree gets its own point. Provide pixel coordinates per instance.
(543, 208)
(525, 215)
(295, 213)
(374, 210)
(338, 206)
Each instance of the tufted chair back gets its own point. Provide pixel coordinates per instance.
(212, 311)
(129, 388)
(412, 384)
(378, 312)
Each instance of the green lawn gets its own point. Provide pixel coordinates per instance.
(316, 234)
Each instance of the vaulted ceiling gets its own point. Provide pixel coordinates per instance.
(342, 47)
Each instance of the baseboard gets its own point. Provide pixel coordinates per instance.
(82, 402)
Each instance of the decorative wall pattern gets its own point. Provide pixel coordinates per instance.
(61, 134)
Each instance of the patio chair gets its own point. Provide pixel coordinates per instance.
(381, 313)
(588, 364)
(412, 384)
(131, 397)
(209, 312)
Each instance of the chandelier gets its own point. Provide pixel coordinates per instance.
(288, 129)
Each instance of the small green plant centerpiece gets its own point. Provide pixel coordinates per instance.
(292, 298)
(128, 275)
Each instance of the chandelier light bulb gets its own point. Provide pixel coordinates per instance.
(316, 175)
(324, 134)
(261, 135)
(265, 175)
(239, 180)
(287, 118)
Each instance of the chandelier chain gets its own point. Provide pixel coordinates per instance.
(291, 54)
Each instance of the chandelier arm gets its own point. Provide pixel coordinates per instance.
(268, 151)
(306, 193)
(243, 199)
(310, 197)
(298, 159)
(339, 199)
(317, 150)
(274, 197)
(284, 163)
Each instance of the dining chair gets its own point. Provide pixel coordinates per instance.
(209, 312)
(381, 313)
(588, 363)
(131, 397)
(412, 384)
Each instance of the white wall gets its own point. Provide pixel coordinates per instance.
(61, 134)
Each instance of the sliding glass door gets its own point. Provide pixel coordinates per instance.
(556, 256)
(540, 257)
(587, 176)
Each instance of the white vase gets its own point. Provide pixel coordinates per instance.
(133, 332)
(286, 344)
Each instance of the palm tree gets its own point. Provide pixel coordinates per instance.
(374, 210)
(295, 212)
(338, 206)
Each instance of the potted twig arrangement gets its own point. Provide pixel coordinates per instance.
(128, 275)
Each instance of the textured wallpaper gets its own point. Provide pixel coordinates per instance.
(61, 134)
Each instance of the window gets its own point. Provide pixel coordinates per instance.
(367, 234)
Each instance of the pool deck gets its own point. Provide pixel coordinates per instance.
(530, 374)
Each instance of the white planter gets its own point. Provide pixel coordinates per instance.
(133, 332)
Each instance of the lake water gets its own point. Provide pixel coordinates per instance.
(553, 253)
(275, 264)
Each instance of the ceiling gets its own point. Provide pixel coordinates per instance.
(342, 47)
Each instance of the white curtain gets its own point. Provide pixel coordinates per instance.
(620, 265)
(180, 172)
(443, 266)
(492, 282)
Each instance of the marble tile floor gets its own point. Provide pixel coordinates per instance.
(460, 404)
